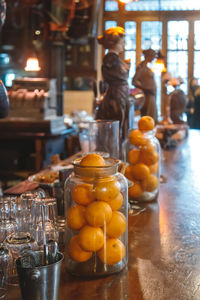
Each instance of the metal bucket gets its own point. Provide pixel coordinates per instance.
(40, 283)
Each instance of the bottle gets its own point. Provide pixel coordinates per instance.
(97, 219)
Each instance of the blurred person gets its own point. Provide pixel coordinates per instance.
(193, 85)
(144, 80)
(114, 103)
(196, 114)
(4, 103)
(178, 101)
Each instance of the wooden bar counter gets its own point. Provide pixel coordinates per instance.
(164, 240)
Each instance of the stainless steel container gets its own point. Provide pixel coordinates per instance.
(42, 282)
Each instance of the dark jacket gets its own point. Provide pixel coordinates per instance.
(4, 103)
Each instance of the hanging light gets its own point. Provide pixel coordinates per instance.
(159, 66)
(127, 1)
(32, 64)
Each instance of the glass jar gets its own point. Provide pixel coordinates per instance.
(141, 152)
(97, 220)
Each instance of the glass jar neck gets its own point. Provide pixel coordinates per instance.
(150, 134)
(110, 168)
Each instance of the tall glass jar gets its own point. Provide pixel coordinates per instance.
(141, 152)
(97, 220)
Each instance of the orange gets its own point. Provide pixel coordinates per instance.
(150, 183)
(98, 213)
(140, 171)
(107, 189)
(137, 138)
(112, 252)
(83, 194)
(135, 190)
(92, 160)
(133, 156)
(76, 217)
(116, 203)
(149, 155)
(75, 251)
(146, 123)
(128, 173)
(154, 168)
(117, 225)
(91, 238)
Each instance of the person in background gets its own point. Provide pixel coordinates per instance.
(4, 102)
(114, 104)
(193, 85)
(196, 114)
(178, 101)
(144, 80)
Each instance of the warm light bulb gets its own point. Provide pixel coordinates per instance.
(124, 1)
(159, 66)
(32, 64)
(127, 1)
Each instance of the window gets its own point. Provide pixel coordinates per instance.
(109, 24)
(111, 5)
(196, 49)
(177, 54)
(152, 35)
(166, 5)
(152, 38)
(130, 47)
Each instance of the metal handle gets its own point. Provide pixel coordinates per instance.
(35, 275)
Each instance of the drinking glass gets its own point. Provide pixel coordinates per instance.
(8, 208)
(17, 215)
(24, 210)
(6, 261)
(44, 209)
(100, 136)
(18, 244)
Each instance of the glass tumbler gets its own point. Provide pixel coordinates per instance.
(18, 244)
(100, 136)
(44, 209)
(24, 210)
(8, 210)
(6, 262)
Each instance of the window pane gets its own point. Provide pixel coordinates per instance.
(111, 5)
(177, 58)
(132, 56)
(109, 24)
(196, 35)
(130, 47)
(130, 37)
(152, 35)
(177, 65)
(178, 35)
(197, 64)
(153, 5)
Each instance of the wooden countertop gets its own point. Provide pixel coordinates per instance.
(164, 241)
